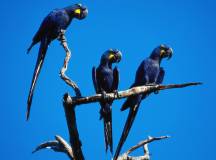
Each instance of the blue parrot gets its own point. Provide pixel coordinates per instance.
(149, 72)
(105, 80)
(53, 25)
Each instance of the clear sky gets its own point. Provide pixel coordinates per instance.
(134, 27)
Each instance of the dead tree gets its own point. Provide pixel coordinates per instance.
(74, 149)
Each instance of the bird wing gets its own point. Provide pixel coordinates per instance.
(45, 26)
(131, 116)
(94, 78)
(41, 55)
(115, 79)
(141, 77)
(160, 76)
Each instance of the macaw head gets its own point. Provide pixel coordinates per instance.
(77, 11)
(111, 56)
(80, 11)
(160, 52)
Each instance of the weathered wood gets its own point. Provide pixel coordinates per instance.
(58, 145)
(72, 128)
(63, 76)
(143, 144)
(66, 146)
(128, 92)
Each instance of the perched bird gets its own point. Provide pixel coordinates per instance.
(106, 80)
(149, 72)
(53, 25)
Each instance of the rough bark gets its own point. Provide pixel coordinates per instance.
(143, 144)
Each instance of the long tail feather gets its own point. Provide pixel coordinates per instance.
(108, 129)
(105, 135)
(41, 55)
(127, 103)
(130, 101)
(127, 127)
(108, 134)
(30, 47)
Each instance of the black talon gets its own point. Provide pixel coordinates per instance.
(104, 96)
(116, 94)
(151, 84)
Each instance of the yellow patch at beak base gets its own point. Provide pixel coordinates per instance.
(77, 11)
(162, 52)
(111, 56)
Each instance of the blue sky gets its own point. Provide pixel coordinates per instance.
(134, 27)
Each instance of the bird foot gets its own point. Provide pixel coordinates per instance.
(104, 96)
(62, 32)
(151, 84)
(116, 94)
(61, 36)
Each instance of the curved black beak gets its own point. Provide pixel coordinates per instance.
(118, 56)
(169, 53)
(84, 12)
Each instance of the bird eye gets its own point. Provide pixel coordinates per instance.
(162, 46)
(79, 4)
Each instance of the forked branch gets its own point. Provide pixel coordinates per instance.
(74, 150)
(58, 145)
(143, 144)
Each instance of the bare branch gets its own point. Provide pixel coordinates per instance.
(129, 92)
(72, 128)
(146, 152)
(74, 150)
(143, 143)
(54, 145)
(58, 145)
(66, 146)
(63, 76)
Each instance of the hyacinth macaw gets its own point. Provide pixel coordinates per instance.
(51, 27)
(106, 80)
(149, 72)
